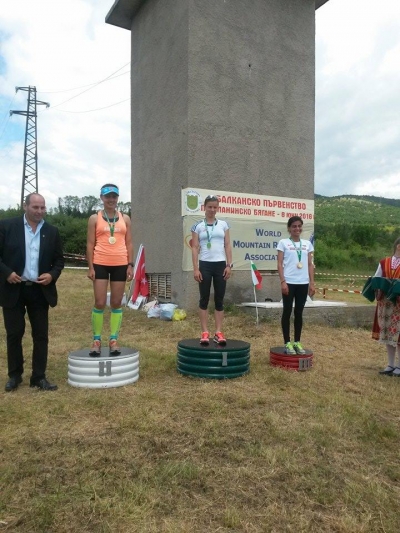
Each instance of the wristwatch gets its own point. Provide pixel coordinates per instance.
(230, 265)
(130, 264)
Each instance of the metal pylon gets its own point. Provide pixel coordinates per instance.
(30, 170)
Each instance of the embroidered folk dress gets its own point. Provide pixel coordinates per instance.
(386, 328)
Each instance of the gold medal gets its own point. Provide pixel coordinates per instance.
(209, 236)
(111, 239)
(299, 265)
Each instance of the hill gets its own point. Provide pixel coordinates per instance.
(352, 209)
(354, 232)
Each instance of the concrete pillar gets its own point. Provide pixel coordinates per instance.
(222, 98)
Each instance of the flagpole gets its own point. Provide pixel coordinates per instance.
(132, 284)
(254, 290)
(255, 301)
(136, 262)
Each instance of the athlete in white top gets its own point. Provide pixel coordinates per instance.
(212, 262)
(296, 272)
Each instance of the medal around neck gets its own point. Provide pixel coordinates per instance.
(111, 239)
(298, 252)
(209, 235)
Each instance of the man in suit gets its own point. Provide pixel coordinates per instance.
(31, 261)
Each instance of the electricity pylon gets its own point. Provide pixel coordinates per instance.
(30, 171)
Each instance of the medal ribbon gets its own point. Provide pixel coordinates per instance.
(298, 250)
(112, 227)
(209, 237)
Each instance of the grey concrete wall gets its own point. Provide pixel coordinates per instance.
(251, 96)
(159, 132)
(222, 98)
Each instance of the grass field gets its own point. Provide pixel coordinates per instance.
(273, 451)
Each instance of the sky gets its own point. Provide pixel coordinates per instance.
(81, 66)
(358, 98)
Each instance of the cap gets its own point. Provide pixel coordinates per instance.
(108, 190)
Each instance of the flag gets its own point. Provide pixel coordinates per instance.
(255, 276)
(139, 275)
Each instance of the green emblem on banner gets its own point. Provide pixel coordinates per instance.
(192, 201)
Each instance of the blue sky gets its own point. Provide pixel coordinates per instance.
(82, 145)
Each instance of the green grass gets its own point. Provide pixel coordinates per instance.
(273, 451)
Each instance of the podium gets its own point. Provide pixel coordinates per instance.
(213, 361)
(105, 371)
(298, 362)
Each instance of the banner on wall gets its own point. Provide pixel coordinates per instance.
(247, 206)
(254, 237)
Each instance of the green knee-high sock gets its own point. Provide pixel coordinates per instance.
(97, 322)
(115, 322)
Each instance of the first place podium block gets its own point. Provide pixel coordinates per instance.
(105, 371)
(213, 361)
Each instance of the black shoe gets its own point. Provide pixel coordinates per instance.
(387, 372)
(12, 384)
(43, 384)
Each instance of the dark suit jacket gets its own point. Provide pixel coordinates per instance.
(12, 259)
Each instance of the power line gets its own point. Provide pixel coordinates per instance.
(98, 83)
(7, 115)
(91, 85)
(97, 109)
(5, 125)
(83, 86)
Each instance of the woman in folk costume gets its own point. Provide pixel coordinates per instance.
(386, 327)
(109, 252)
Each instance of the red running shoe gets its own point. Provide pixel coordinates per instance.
(205, 338)
(219, 338)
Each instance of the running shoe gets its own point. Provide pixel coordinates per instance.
(299, 348)
(205, 338)
(114, 348)
(289, 349)
(219, 338)
(95, 350)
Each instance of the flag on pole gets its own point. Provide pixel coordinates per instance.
(139, 275)
(255, 276)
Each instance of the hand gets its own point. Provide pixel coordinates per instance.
(197, 275)
(284, 288)
(227, 272)
(14, 278)
(129, 273)
(91, 274)
(44, 279)
(311, 289)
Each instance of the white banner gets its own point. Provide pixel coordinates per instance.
(248, 206)
(253, 237)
